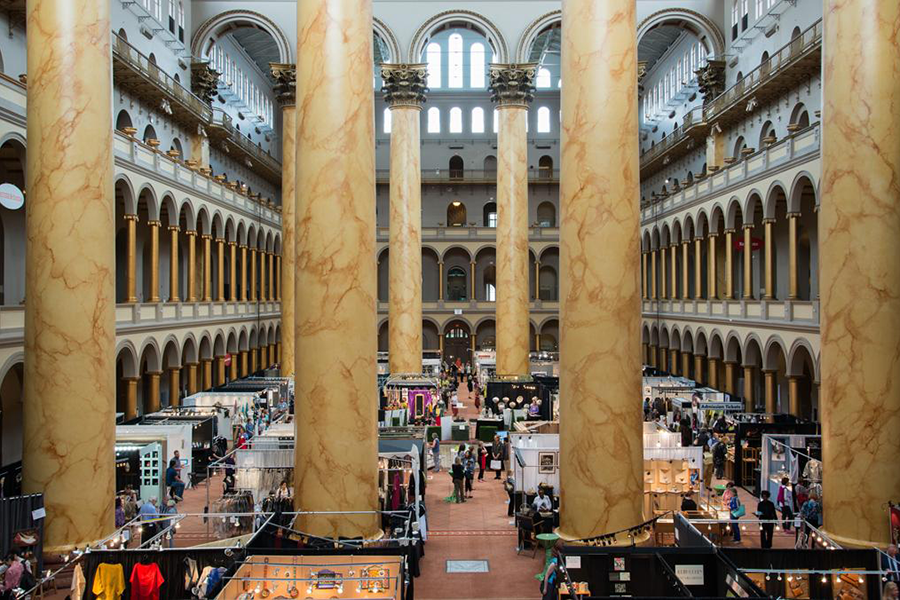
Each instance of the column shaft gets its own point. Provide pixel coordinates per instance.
(859, 229)
(600, 438)
(685, 251)
(748, 262)
(440, 281)
(253, 297)
(232, 282)
(474, 281)
(673, 255)
(698, 269)
(749, 405)
(663, 291)
(131, 273)
(794, 395)
(175, 386)
(207, 373)
(173, 264)
(792, 255)
(244, 271)
(220, 370)
(729, 265)
(131, 384)
(233, 367)
(271, 277)
(69, 378)
(245, 363)
(193, 388)
(685, 364)
(645, 292)
(154, 261)
(729, 378)
(152, 404)
(207, 268)
(405, 257)
(771, 401)
(220, 269)
(673, 361)
(653, 293)
(288, 229)
(262, 275)
(698, 368)
(712, 275)
(512, 235)
(770, 241)
(335, 336)
(192, 266)
(278, 278)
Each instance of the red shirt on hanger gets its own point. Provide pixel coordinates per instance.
(145, 582)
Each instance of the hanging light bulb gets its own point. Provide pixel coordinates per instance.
(861, 580)
(824, 579)
(768, 577)
(779, 577)
(790, 577)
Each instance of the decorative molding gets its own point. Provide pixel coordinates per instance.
(285, 82)
(404, 85)
(204, 81)
(512, 85)
(487, 27)
(212, 26)
(385, 33)
(700, 22)
(711, 80)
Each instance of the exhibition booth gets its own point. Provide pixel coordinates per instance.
(746, 431)
(795, 457)
(408, 399)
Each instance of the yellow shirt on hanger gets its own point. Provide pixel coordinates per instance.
(109, 582)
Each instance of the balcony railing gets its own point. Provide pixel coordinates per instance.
(806, 45)
(128, 56)
(693, 127)
(471, 176)
(270, 165)
(799, 313)
(473, 233)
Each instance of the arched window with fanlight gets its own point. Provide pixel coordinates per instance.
(543, 120)
(476, 65)
(456, 167)
(543, 78)
(433, 58)
(455, 61)
(477, 120)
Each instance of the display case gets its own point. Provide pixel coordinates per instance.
(793, 456)
(666, 482)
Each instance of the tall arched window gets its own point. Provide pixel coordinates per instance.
(496, 119)
(455, 61)
(434, 120)
(477, 120)
(476, 65)
(433, 58)
(543, 123)
(387, 120)
(543, 78)
(456, 120)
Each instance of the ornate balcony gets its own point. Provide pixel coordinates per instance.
(223, 133)
(470, 176)
(688, 138)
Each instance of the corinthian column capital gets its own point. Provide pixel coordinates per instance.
(404, 85)
(285, 75)
(512, 85)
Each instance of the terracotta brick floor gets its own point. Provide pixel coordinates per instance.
(478, 529)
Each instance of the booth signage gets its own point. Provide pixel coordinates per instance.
(11, 197)
(690, 574)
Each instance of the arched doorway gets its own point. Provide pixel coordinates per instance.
(457, 341)
(456, 214)
(11, 428)
(546, 214)
(457, 285)
(456, 167)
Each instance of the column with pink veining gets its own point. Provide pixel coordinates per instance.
(600, 360)
(70, 331)
(860, 271)
(512, 88)
(285, 81)
(404, 87)
(335, 332)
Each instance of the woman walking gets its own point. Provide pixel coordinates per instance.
(469, 467)
(436, 452)
(458, 475)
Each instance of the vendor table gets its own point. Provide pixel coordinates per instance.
(547, 540)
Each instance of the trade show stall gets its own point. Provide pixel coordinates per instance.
(670, 470)
(409, 399)
(795, 457)
(518, 399)
(745, 467)
(143, 452)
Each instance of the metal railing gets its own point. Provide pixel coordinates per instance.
(143, 65)
(692, 118)
(472, 175)
(221, 119)
(787, 55)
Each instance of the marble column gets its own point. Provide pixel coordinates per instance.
(749, 405)
(511, 89)
(663, 360)
(192, 386)
(335, 335)
(253, 366)
(220, 370)
(793, 219)
(601, 456)
(131, 385)
(711, 275)
(207, 373)
(474, 280)
(154, 261)
(220, 269)
(860, 274)
(698, 268)
(253, 297)
(653, 356)
(441, 281)
(729, 264)
(404, 92)
(769, 258)
(192, 266)
(173, 264)
(245, 364)
(685, 364)
(233, 367)
(645, 292)
(175, 386)
(232, 272)
(244, 271)
(286, 92)
(794, 395)
(653, 277)
(673, 361)
(729, 377)
(277, 278)
(771, 400)
(537, 279)
(262, 275)
(685, 252)
(131, 267)
(673, 256)
(152, 404)
(698, 368)
(663, 291)
(207, 268)
(713, 375)
(748, 261)
(271, 277)
(69, 378)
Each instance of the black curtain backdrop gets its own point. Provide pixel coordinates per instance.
(16, 515)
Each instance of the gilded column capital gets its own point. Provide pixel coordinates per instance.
(232, 243)
(190, 232)
(242, 246)
(130, 217)
(174, 228)
(206, 236)
(747, 226)
(285, 75)
(512, 85)
(404, 84)
(153, 223)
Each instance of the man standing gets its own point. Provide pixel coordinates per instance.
(765, 510)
